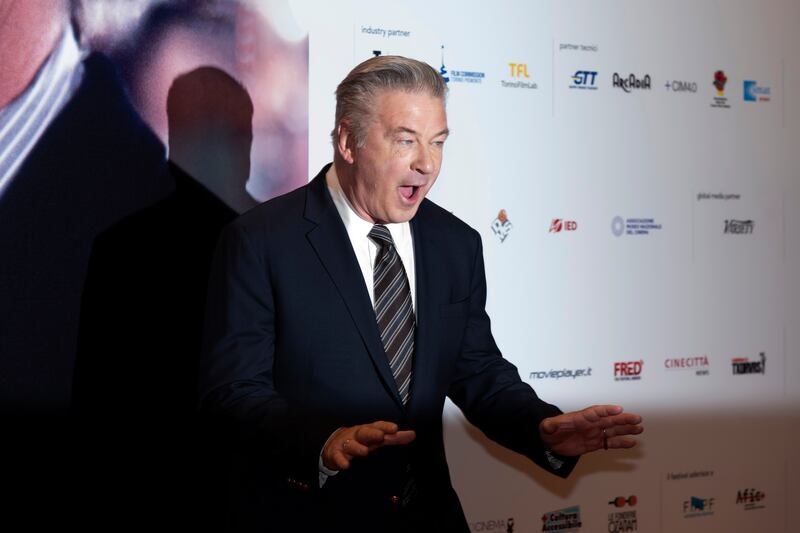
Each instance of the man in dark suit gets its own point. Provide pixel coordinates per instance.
(342, 314)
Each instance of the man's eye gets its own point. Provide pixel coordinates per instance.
(438, 143)
(405, 141)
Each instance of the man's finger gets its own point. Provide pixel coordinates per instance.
(369, 435)
(354, 448)
(621, 442)
(386, 427)
(340, 460)
(631, 429)
(400, 438)
(598, 412)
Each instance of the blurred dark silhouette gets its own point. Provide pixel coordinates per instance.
(142, 318)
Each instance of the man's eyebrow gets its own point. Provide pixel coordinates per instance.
(403, 129)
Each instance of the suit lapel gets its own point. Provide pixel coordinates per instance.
(332, 245)
(423, 379)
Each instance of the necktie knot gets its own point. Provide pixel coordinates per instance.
(381, 236)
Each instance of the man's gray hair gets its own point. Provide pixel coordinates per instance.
(355, 95)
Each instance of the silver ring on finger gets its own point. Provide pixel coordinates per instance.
(344, 444)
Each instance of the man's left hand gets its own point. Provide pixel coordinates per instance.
(593, 428)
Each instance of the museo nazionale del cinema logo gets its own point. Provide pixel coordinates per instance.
(745, 365)
(720, 101)
(518, 77)
(560, 225)
(631, 82)
(634, 226)
(460, 76)
(562, 520)
(628, 370)
(623, 518)
(750, 499)
(697, 364)
(584, 80)
(501, 226)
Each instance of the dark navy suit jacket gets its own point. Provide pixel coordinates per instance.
(293, 352)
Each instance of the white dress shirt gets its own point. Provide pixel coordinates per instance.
(366, 250)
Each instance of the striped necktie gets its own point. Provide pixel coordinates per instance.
(393, 309)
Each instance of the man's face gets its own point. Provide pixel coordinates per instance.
(401, 157)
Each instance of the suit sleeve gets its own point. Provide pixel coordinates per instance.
(489, 391)
(237, 383)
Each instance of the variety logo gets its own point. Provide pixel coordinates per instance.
(460, 76)
(750, 499)
(558, 225)
(634, 226)
(628, 370)
(720, 101)
(698, 364)
(677, 86)
(584, 79)
(739, 227)
(631, 82)
(506, 525)
(518, 71)
(621, 521)
(743, 365)
(501, 226)
(568, 519)
(696, 507)
(753, 92)
(559, 374)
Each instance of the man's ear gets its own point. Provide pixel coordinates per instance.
(345, 143)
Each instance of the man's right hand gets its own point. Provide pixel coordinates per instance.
(360, 441)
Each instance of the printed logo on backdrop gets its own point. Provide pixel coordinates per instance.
(678, 86)
(559, 225)
(631, 82)
(720, 101)
(734, 226)
(750, 499)
(499, 525)
(620, 521)
(634, 226)
(573, 47)
(460, 76)
(753, 92)
(717, 196)
(519, 77)
(697, 364)
(380, 40)
(696, 507)
(695, 474)
(628, 370)
(745, 365)
(560, 374)
(584, 79)
(501, 226)
(568, 519)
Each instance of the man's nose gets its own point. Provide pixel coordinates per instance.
(425, 162)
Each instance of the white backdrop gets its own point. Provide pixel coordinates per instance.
(663, 284)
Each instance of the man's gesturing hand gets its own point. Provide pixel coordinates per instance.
(359, 441)
(582, 431)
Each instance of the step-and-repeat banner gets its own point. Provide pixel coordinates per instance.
(632, 168)
(633, 171)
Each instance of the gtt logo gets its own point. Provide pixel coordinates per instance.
(519, 70)
(558, 225)
(584, 78)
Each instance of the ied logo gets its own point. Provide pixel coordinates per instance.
(558, 225)
(621, 521)
(501, 226)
